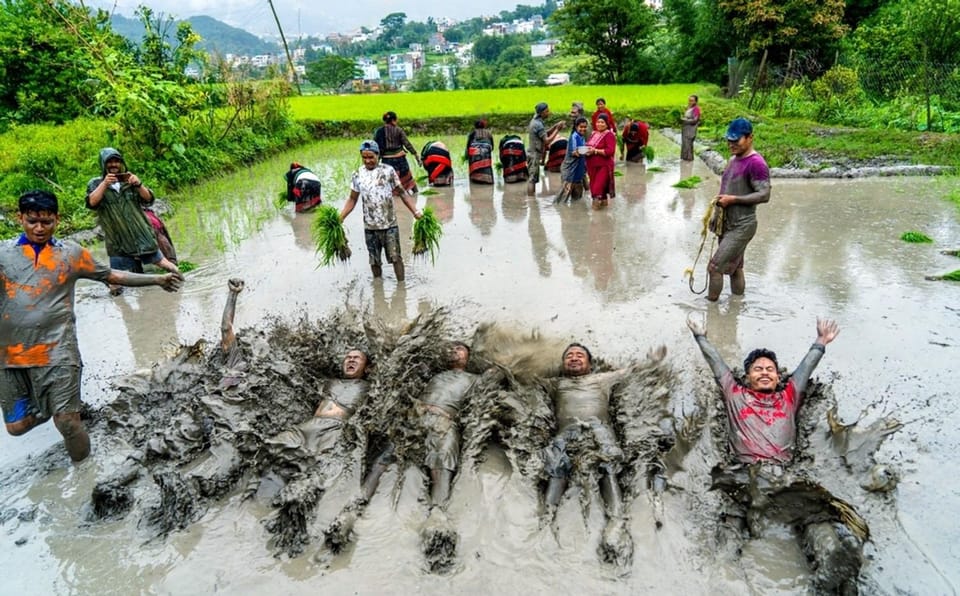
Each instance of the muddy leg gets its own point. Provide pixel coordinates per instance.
(835, 557)
(398, 270)
(715, 286)
(616, 545)
(440, 479)
(531, 189)
(75, 436)
(377, 270)
(738, 282)
(612, 496)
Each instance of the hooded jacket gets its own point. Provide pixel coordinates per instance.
(126, 231)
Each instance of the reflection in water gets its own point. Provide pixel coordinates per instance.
(600, 235)
(573, 220)
(393, 310)
(483, 214)
(538, 238)
(514, 203)
(442, 204)
(302, 225)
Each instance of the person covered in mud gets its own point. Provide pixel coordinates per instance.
(438, 409)
(119, 197)
(377, 184)
(761, 412)
(40, 362)
(744, 185)
(339, 398)
(581, 405)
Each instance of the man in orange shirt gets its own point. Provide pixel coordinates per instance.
(39, 356)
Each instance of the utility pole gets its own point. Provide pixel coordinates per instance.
(293, 71)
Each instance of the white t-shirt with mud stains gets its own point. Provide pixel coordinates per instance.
(376, 189)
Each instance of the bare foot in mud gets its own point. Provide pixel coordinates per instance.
(616, 544)
(438, 541)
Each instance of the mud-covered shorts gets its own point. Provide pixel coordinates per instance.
(556, 455)
(41, 391)
(387, 241)
(442, 442)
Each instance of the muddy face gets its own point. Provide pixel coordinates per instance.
(354, 364)
(39, 227)
(576, 362)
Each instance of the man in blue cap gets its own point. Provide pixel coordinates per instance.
(540, 140)
(745, 184)
(377, 184)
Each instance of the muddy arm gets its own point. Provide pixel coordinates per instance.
(349, 205)
(228, 338)
(710, 353)
(827, 331)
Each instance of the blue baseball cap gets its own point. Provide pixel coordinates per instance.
(370, 146)
(739, 127)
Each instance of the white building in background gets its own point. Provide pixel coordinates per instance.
(370, 70)
(544, 48)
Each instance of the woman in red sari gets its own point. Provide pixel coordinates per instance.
(602, 147)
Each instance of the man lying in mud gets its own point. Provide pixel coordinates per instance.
(301, 462)
(438, 420)
(762, 431)
(582, 407)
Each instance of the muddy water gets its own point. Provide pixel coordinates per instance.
(612, 279)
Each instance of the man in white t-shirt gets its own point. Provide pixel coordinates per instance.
(377, 184)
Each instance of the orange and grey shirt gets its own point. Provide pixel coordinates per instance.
(37, 322)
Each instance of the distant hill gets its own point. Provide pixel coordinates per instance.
(217, 36)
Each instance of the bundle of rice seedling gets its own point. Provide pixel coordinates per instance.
(690, 182)
(329, 235)
(426, 234)
(916, 237)
(649, 153)
(656, 169)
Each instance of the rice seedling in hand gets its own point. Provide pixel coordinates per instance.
(426, 235)
(649, 153)
(329, 235)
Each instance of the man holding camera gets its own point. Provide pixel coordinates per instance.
(118, 197)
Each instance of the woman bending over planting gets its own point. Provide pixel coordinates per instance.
(377, 184)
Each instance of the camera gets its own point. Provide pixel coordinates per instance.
(123, 176)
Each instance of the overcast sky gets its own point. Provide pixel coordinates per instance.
(323, 16)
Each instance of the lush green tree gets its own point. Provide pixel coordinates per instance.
(613, 32)
(392, 25)
(46, 74)
(428, 79)
(783, 25)
(859, 10)
(487, 48)
(331, 72)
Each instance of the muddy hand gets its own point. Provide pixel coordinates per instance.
(827, 330)
(171, 282)
(236, 285)
(697, 327)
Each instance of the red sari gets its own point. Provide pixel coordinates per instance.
(600, 167)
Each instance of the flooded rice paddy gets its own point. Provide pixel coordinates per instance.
(612, 279)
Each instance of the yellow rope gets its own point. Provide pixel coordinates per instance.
(688, 273)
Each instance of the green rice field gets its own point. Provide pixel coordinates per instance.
(482, 102)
